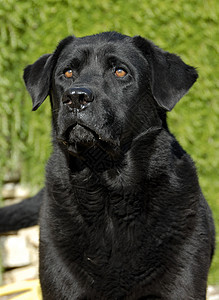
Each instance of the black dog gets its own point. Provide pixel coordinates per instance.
(123, 215)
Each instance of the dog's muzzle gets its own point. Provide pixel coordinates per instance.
(77, 98)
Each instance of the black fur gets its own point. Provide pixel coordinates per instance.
(21, 215)
(123, 215)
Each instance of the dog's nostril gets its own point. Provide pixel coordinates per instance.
(83, 99)
(67, 100)
(78, 97)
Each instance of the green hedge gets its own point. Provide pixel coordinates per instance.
(189, 28)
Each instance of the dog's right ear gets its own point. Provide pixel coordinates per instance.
(171, 78)
(37, 78)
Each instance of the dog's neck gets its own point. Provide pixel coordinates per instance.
(93, 158)
(96, 158)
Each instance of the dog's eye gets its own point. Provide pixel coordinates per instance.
(120, 73)
(68, 73)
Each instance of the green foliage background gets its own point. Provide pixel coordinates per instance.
(189, 28)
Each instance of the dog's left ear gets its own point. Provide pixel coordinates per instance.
(37, 79)
(171, 78)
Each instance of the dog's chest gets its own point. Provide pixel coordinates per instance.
(108, 238)
(116, 242)
(113, 257)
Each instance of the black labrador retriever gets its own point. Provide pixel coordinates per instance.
(122, 215)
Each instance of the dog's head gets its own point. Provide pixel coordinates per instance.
(107, 88)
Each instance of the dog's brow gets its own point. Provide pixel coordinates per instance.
(106, 49)
(82, 52)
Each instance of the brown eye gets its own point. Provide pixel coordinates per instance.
(68, 73)
(120, 73)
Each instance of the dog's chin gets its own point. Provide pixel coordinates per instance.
(81, 135)
(79, 139)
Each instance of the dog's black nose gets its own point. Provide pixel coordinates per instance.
(77, 97)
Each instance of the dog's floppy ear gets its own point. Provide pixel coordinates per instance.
(37, 78)
(171, 78)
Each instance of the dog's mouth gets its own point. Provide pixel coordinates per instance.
(79, 137)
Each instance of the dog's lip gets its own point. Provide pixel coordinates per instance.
(99, 140)
(62, 137)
